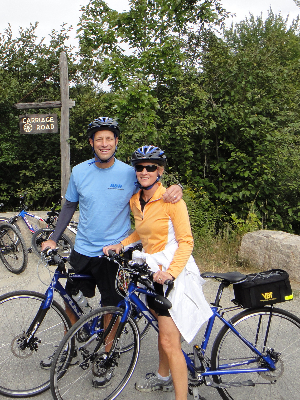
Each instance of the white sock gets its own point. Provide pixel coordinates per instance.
(163, 378)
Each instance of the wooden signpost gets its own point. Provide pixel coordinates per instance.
(47, 123)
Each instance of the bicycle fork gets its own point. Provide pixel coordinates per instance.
(28, 339)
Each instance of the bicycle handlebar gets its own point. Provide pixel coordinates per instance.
(141, 269)
(53, 258)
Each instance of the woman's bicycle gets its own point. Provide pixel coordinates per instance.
(31, 328)
(257, 349)
(39, 234)
(13, 251)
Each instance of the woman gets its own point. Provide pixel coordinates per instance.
(165, 232)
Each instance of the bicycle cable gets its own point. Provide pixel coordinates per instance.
(46, 266)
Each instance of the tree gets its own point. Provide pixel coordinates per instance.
(28, 73)
(252, 131)
(142, 53)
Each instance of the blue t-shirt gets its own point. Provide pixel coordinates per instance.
(103, 195)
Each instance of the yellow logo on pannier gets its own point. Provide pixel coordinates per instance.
(267, 296)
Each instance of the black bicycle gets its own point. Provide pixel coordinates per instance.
(39, 235)
(13, 251)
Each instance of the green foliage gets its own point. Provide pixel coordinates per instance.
(224, 107)
(203, 214)
(252, 125)
(28, 73)
(144, 43)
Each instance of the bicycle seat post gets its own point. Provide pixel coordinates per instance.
(222, 285)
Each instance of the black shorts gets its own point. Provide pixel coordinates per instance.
(103, 275)
(159, 311)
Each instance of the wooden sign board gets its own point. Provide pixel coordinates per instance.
(38, 123)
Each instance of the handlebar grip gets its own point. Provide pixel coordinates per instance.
(111, 253)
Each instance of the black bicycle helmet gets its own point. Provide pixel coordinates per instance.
(103, 123)
(149, 153)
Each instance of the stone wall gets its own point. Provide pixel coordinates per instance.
(271, 249)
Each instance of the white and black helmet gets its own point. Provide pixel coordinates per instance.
(149, 153)
(103, 123)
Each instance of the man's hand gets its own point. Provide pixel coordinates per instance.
(49, 244)
(173, 194)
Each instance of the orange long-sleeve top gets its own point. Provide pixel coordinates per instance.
(162, 223)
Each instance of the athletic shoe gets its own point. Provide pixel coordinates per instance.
(152, 382)
(103, 378)
(47, 362)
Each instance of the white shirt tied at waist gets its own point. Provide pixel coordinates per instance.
(189, 308)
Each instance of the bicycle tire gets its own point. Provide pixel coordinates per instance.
(21, 373)
(13, 251)
(64, 243)
(142, 323)
(72, 374)
(283, 342)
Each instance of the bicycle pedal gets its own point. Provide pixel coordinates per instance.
(196, 395)
(231, 384)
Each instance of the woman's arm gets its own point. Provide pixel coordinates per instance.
(183, 234)
(132, 238)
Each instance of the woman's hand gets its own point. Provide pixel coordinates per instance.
(162, 276)
(173, 194)
(115, 247)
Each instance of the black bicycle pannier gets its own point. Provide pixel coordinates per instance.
(263, 288)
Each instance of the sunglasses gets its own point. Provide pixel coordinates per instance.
(149, 168)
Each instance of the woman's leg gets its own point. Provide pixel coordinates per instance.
(171, 356)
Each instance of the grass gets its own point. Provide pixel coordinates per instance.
(219, 254)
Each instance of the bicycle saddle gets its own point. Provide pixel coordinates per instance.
(232, 277)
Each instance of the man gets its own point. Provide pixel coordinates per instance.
(102, 187)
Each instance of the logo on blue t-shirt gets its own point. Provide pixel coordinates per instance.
(115, 186)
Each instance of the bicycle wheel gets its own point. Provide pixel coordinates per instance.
(21, 373)
(64, 244)
(143, 325)
(13, 251)
(272, 331)
(75, 372)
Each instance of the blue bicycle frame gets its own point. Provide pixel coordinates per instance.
(224, 369)
(46, 304)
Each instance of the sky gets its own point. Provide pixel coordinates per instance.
(52, 14)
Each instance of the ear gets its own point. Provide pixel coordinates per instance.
(91, 142)
(160, 170)
(117, 141)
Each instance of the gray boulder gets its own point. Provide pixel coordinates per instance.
(265, 250)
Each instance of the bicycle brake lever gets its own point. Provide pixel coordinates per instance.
(170, 285)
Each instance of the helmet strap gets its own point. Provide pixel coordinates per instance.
(147, 187)
(97, 159)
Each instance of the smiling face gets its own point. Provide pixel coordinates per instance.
(104, 145)
(147, 178)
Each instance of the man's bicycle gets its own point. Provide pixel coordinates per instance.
(32, 325)
(13, 251)
(257, 349)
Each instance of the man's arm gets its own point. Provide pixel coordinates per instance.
(173, 194)
(63, 220)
